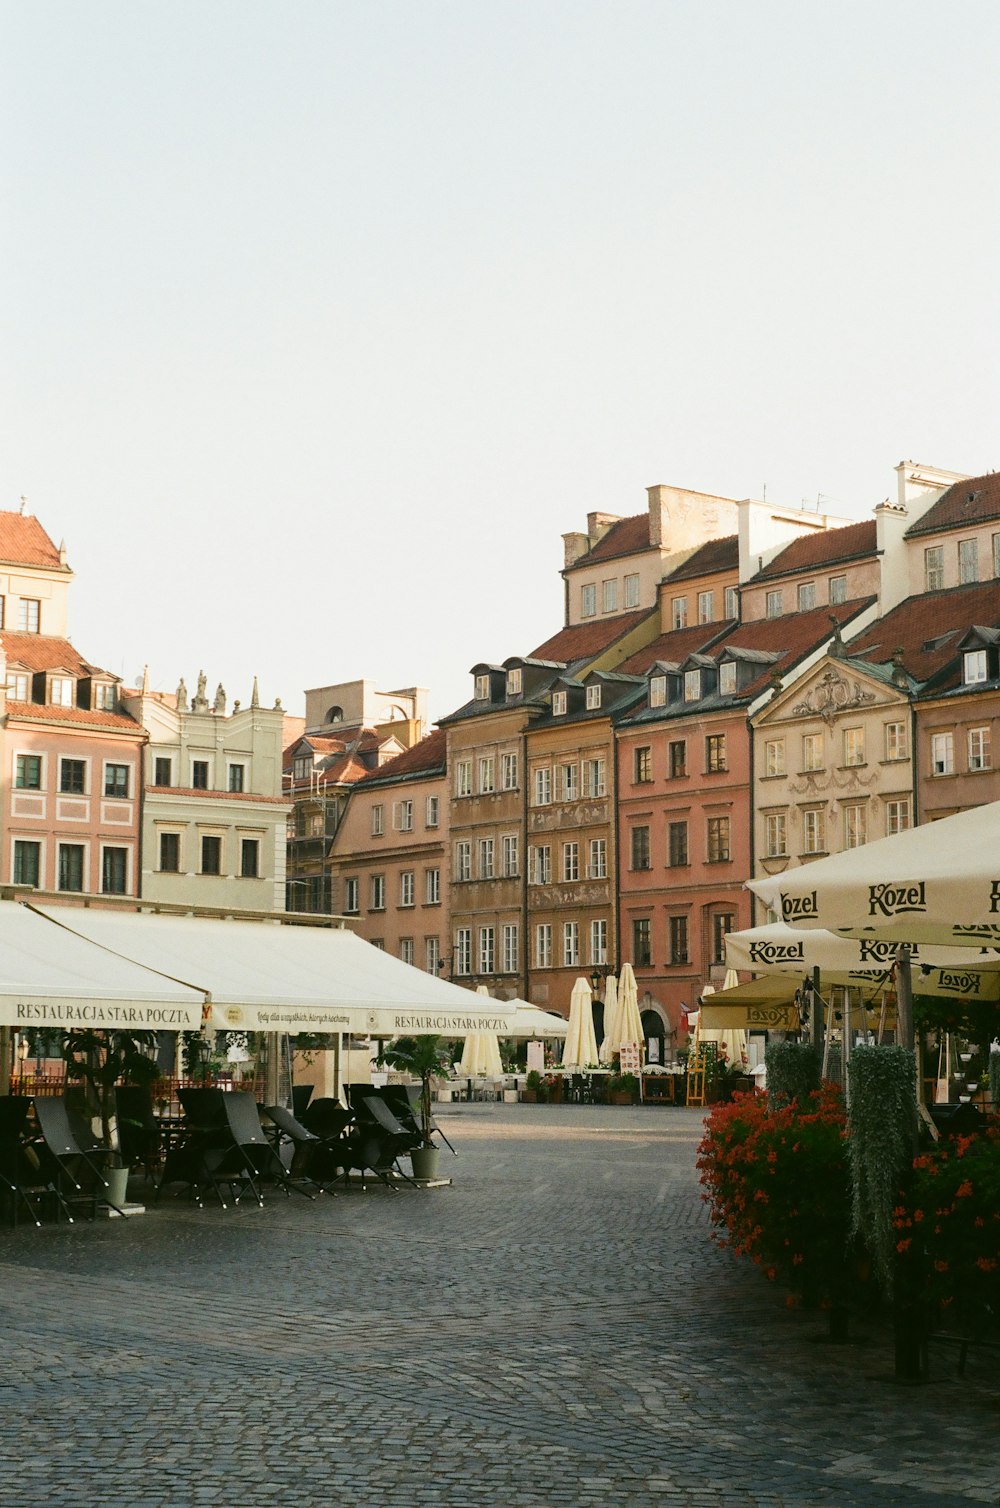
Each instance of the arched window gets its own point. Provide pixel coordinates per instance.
(335, 715)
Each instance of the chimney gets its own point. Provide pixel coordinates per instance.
(659, 515)
(575, 546)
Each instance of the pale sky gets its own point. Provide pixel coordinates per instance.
(323, 321)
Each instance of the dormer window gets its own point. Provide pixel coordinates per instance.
(974, 666)
(514, 682)
(303, 767)
(482, 688)
(593, 697)
(692, 685)
(61, 690)
(104, 696)
(17, 686)
(658, 691)
(727, 677)
(558, 704)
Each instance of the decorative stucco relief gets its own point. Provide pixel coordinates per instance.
(832, 695)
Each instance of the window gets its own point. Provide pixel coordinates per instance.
(508, 772)
(773, 604)
(597, 869)
(199, 775)
(897, 817)
(509, 857)
(658, 691)
(17, 686)
(402, 816)
(593, 777)
(706, 607)
(432, 809)
(775, 835)
(896, 742)
(377, 897)
(463, 950)
(812, 751)
(211, 854)
(543, 945)
(71, 866)
(510, 956)
(570, 861)
(974, 666)
(609, 596)
(114, 871)
(679, 612)
(718, 840)
(116, 780)
(540, 865)
(378, 820)
(677, 843)
(543, 787)
(942, 753)
(73, 776)
(643, 764)
(980, 756)
(715, 754)
(593, 697)
(855, 826)
(854, 746)
(632, 590)
(27, 862)
(774, 756)
(378, 942)
(486, 858)
(237, 778)
(515, 682)
(837, 590)
(558, 704)
(571, 944)
(599, 941)
(996, 554)
(406, 950)
(352, 897)
(463, 777)
(692, 685)
(105, 696)
(732, 602)
(481, 688)
(61, 690)
(588, 600)
(678, 939)
(487, 950)
(722, 924)
(432, 887)
(806, 595)
(29, 611)
(569, 782)
(302, 767)
(407, 887)
(813, 831)
(432, 955)
(640, 848)
(968, 561)
(463, 860)
(163, 773)
(642, 954)
(727, 678)
(677, 759)
(170, 853)
(28, 772)
(487, 774)
(934, 568)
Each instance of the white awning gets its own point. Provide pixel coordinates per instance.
(56, 980)
(272, 976)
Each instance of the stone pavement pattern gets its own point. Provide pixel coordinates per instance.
(554, 1329)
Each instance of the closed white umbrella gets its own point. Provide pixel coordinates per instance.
(612, 1016)
(580, 1049)
(481, 1053)
(629, 1019)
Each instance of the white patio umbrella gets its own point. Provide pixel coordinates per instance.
(580, 1048)
(531, 1021)
(481, 1052)
(629, 1021)
(612, 1016)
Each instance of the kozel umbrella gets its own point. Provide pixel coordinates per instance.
(580, 1049)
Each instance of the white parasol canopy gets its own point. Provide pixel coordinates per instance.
(580, 1049)
(629, 1020)
(531, 1021)
(939, 883)
(481, 1052)
(612, 1018)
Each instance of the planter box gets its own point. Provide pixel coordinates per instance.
(510, 1096)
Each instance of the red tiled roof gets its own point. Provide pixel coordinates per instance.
(826, 547)
(627, 537)
(49, 713)
(185, 790)
(584, 640)
(917, 624)
(789, 637)
(23, 541)
(673, 647)
(44, 652)
(965, 503)
(713, 556)
(426, 757)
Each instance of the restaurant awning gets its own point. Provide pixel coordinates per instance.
(766, 1004)
(275, 977)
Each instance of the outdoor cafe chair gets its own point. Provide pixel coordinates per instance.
(301, 1095)
(412, 1092)
(327, 1117)
(20, 1177)
(203, 1155)
(398, 1138)
(74, 1173)
(313, 1160)
(251, 1158)
(139, 1132)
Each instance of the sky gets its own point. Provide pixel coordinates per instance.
(322, 322)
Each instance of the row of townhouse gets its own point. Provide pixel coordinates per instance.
(735, 689)
(109, 791)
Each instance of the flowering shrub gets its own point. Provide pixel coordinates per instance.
(777, 1185)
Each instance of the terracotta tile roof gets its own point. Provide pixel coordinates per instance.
(627, 537)
(23, 541)
(674, 646)
(428, 757)
(965, 503)
(48, 713)
(42, 652)
(826, 547)
(185, 790)
(713, 556)
(929, 628)
(789, 637)
(584, 640)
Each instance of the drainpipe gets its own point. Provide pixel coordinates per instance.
(526, 939)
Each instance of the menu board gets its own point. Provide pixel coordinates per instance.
(630, 1057)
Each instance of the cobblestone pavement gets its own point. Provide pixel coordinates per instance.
(555, 1328)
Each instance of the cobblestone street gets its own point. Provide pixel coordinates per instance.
(554, 1328)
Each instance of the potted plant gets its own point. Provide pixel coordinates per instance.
(532, 1087)
(623, 1088)
(99, 1061)
(426, 1060)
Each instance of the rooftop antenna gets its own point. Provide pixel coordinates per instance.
(24, 505)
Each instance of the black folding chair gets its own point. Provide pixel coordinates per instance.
(139, 1131)
(73, 1172)
(327, 1118)
(20, 1173)
(311, 1154)
(250, 1158)
(413, 1092)
(193, 1158)
(301, 1095)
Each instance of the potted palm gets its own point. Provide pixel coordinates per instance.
(100, 1061)
(426, 1060)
